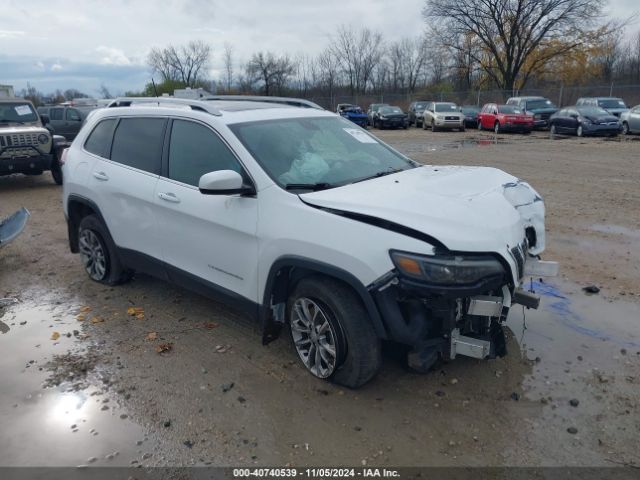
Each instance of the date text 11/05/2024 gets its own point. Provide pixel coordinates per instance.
(315, 472)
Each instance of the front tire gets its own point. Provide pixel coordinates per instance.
(625, 128)
(98, 253)
(553, 130)
(433, 126)
(56, 172)
(496, 128)
(332, 332)
(579, 131)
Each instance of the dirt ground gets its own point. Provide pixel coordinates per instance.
(99, 393)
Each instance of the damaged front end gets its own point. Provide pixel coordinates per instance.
(455, 303)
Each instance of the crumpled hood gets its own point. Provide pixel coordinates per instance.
(473, 209)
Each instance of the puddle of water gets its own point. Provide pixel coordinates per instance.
(58, 426)
(568, 326)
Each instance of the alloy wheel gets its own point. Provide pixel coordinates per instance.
(313, 337)
(92, 254)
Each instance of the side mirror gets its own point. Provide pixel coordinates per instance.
(224, 182)
(44, 118)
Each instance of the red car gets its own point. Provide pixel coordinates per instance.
(502, 118)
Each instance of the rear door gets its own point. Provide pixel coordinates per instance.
(73, 122)
(124, 181)
(209, 240)
(56, 120)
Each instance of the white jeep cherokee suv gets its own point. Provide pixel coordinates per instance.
(300, 218)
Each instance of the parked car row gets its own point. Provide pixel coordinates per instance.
(590, 116)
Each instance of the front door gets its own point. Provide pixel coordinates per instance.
(207, 240)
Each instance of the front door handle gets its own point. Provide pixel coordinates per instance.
(169, 197)
(101, 176)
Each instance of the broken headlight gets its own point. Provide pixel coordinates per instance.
(447, 269)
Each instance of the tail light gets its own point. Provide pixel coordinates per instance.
(63, 157)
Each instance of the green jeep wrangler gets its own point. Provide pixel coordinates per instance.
(26, 146)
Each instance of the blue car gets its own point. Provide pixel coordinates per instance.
(353, 113)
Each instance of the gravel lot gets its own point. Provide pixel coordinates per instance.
(567, 393)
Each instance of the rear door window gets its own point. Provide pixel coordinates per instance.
(56, 114)
(138, 143)
(195, 150)
(99, 140)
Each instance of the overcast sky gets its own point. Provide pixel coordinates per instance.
(85, 43)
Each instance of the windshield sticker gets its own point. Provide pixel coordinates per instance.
(359, 135)
(23, 110)
(621, 103)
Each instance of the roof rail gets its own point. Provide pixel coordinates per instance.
(294, 102)
(198, 105)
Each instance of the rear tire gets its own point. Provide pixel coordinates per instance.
(98, 253)
(336, 321)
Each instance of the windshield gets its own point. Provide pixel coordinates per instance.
(611, 103)
(509, 109)
(390, 110)
(470, 110)
(446, 107)
(421, 105)
(592, 111)
(542, 103)
(317, 150)
(17, 112)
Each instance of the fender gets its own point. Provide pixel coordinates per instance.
(271, 327)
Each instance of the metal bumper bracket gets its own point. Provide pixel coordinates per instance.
(468, 346)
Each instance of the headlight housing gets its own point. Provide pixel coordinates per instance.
(43, 138)
(447, 269)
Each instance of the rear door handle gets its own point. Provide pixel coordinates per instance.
(169, 197)
(101, 176)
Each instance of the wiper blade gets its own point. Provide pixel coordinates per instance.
(308, 186)
(380, 174)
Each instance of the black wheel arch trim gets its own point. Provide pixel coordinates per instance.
(270, 328)
(73, 222)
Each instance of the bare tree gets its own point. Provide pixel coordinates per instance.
(328, 76)
(273, 72)
(358, 53)
(228, 66)
(184, 63)
(104, 91)
(513, 32)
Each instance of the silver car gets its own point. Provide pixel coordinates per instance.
(631, 120)
(442, 115)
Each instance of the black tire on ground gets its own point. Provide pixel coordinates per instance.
(358, 350)
(433, 126)
(424, 125)
(479, 125)
(496, 127)
(56, 171)
(114, 272)
(625, 128)
(579, 131)
(553, 130)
